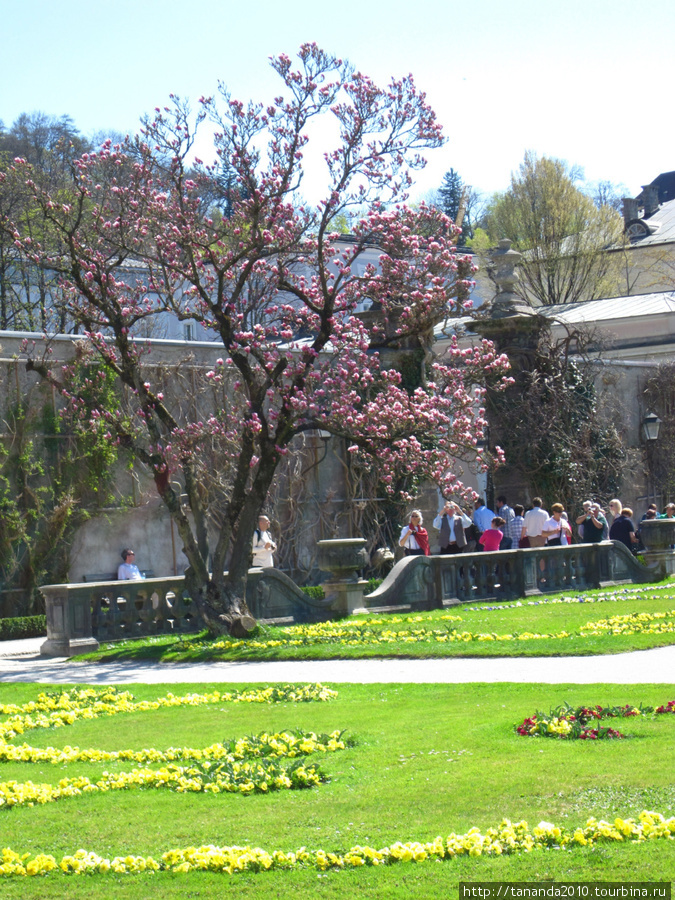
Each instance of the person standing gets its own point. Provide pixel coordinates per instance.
(669, 513)
(505, 512)
(557, 529)
(414, 538)
(652, 508)
(623, 529)
(263, 545)
(535, 519)
(593, 523)
(450, 523)
(514, 528)
(492, 537)
(615, 507)
(601, 517)
(482, 519)
(582, 518)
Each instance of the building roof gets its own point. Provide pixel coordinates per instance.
(636, 306)
(639, 328)
(659, 228)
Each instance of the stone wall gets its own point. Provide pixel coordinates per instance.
(313, 500)
(147, 529)
(310, 501)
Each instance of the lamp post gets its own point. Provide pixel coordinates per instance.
(658, 535)
(651, 425)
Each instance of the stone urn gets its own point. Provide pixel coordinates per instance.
(343, 558)
(657, 534)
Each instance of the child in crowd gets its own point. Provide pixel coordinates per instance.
(492, 538)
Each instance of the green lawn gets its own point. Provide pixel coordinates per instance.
(517, 628)
(428, 760)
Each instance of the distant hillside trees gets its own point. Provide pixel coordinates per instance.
(30, 295)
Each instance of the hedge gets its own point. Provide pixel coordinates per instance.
(317, 592)
(24, 627)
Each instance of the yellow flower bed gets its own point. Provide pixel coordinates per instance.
(382, 631)
(66, 707)
(242, 777)
(506, 839)
(246, 765)
(635, 623)
(283, 744)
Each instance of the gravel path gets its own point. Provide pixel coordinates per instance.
(20, 662)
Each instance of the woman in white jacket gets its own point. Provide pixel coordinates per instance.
(263, 545)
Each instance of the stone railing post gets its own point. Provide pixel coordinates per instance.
(658, 536)
(69, 630)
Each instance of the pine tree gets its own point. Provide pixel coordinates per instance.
(453, 196)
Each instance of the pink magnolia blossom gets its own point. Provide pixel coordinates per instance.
(305, 320)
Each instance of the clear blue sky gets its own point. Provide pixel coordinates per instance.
(588, 81)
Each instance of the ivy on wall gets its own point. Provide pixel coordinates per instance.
(557, 433)
(52, 474)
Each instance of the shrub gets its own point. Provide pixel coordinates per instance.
(23, 627)
(318, 593)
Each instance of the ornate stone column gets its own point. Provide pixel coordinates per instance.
(511, 322)
(515, 327)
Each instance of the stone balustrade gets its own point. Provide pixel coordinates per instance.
(428, 582)
(81, 616)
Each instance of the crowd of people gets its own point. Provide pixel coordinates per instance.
(509, 528)
(459, 532)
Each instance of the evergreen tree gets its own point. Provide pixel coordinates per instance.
(454, 196)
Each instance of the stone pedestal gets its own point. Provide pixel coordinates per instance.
(346, 596)
(68, 622)
(664, 559)
(344, 558)
(658, 536)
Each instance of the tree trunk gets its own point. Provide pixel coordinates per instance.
(222, 606)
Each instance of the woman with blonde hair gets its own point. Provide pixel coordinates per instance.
(615, 507)
(414, 539)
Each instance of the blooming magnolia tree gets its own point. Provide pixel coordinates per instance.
(271, 282)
